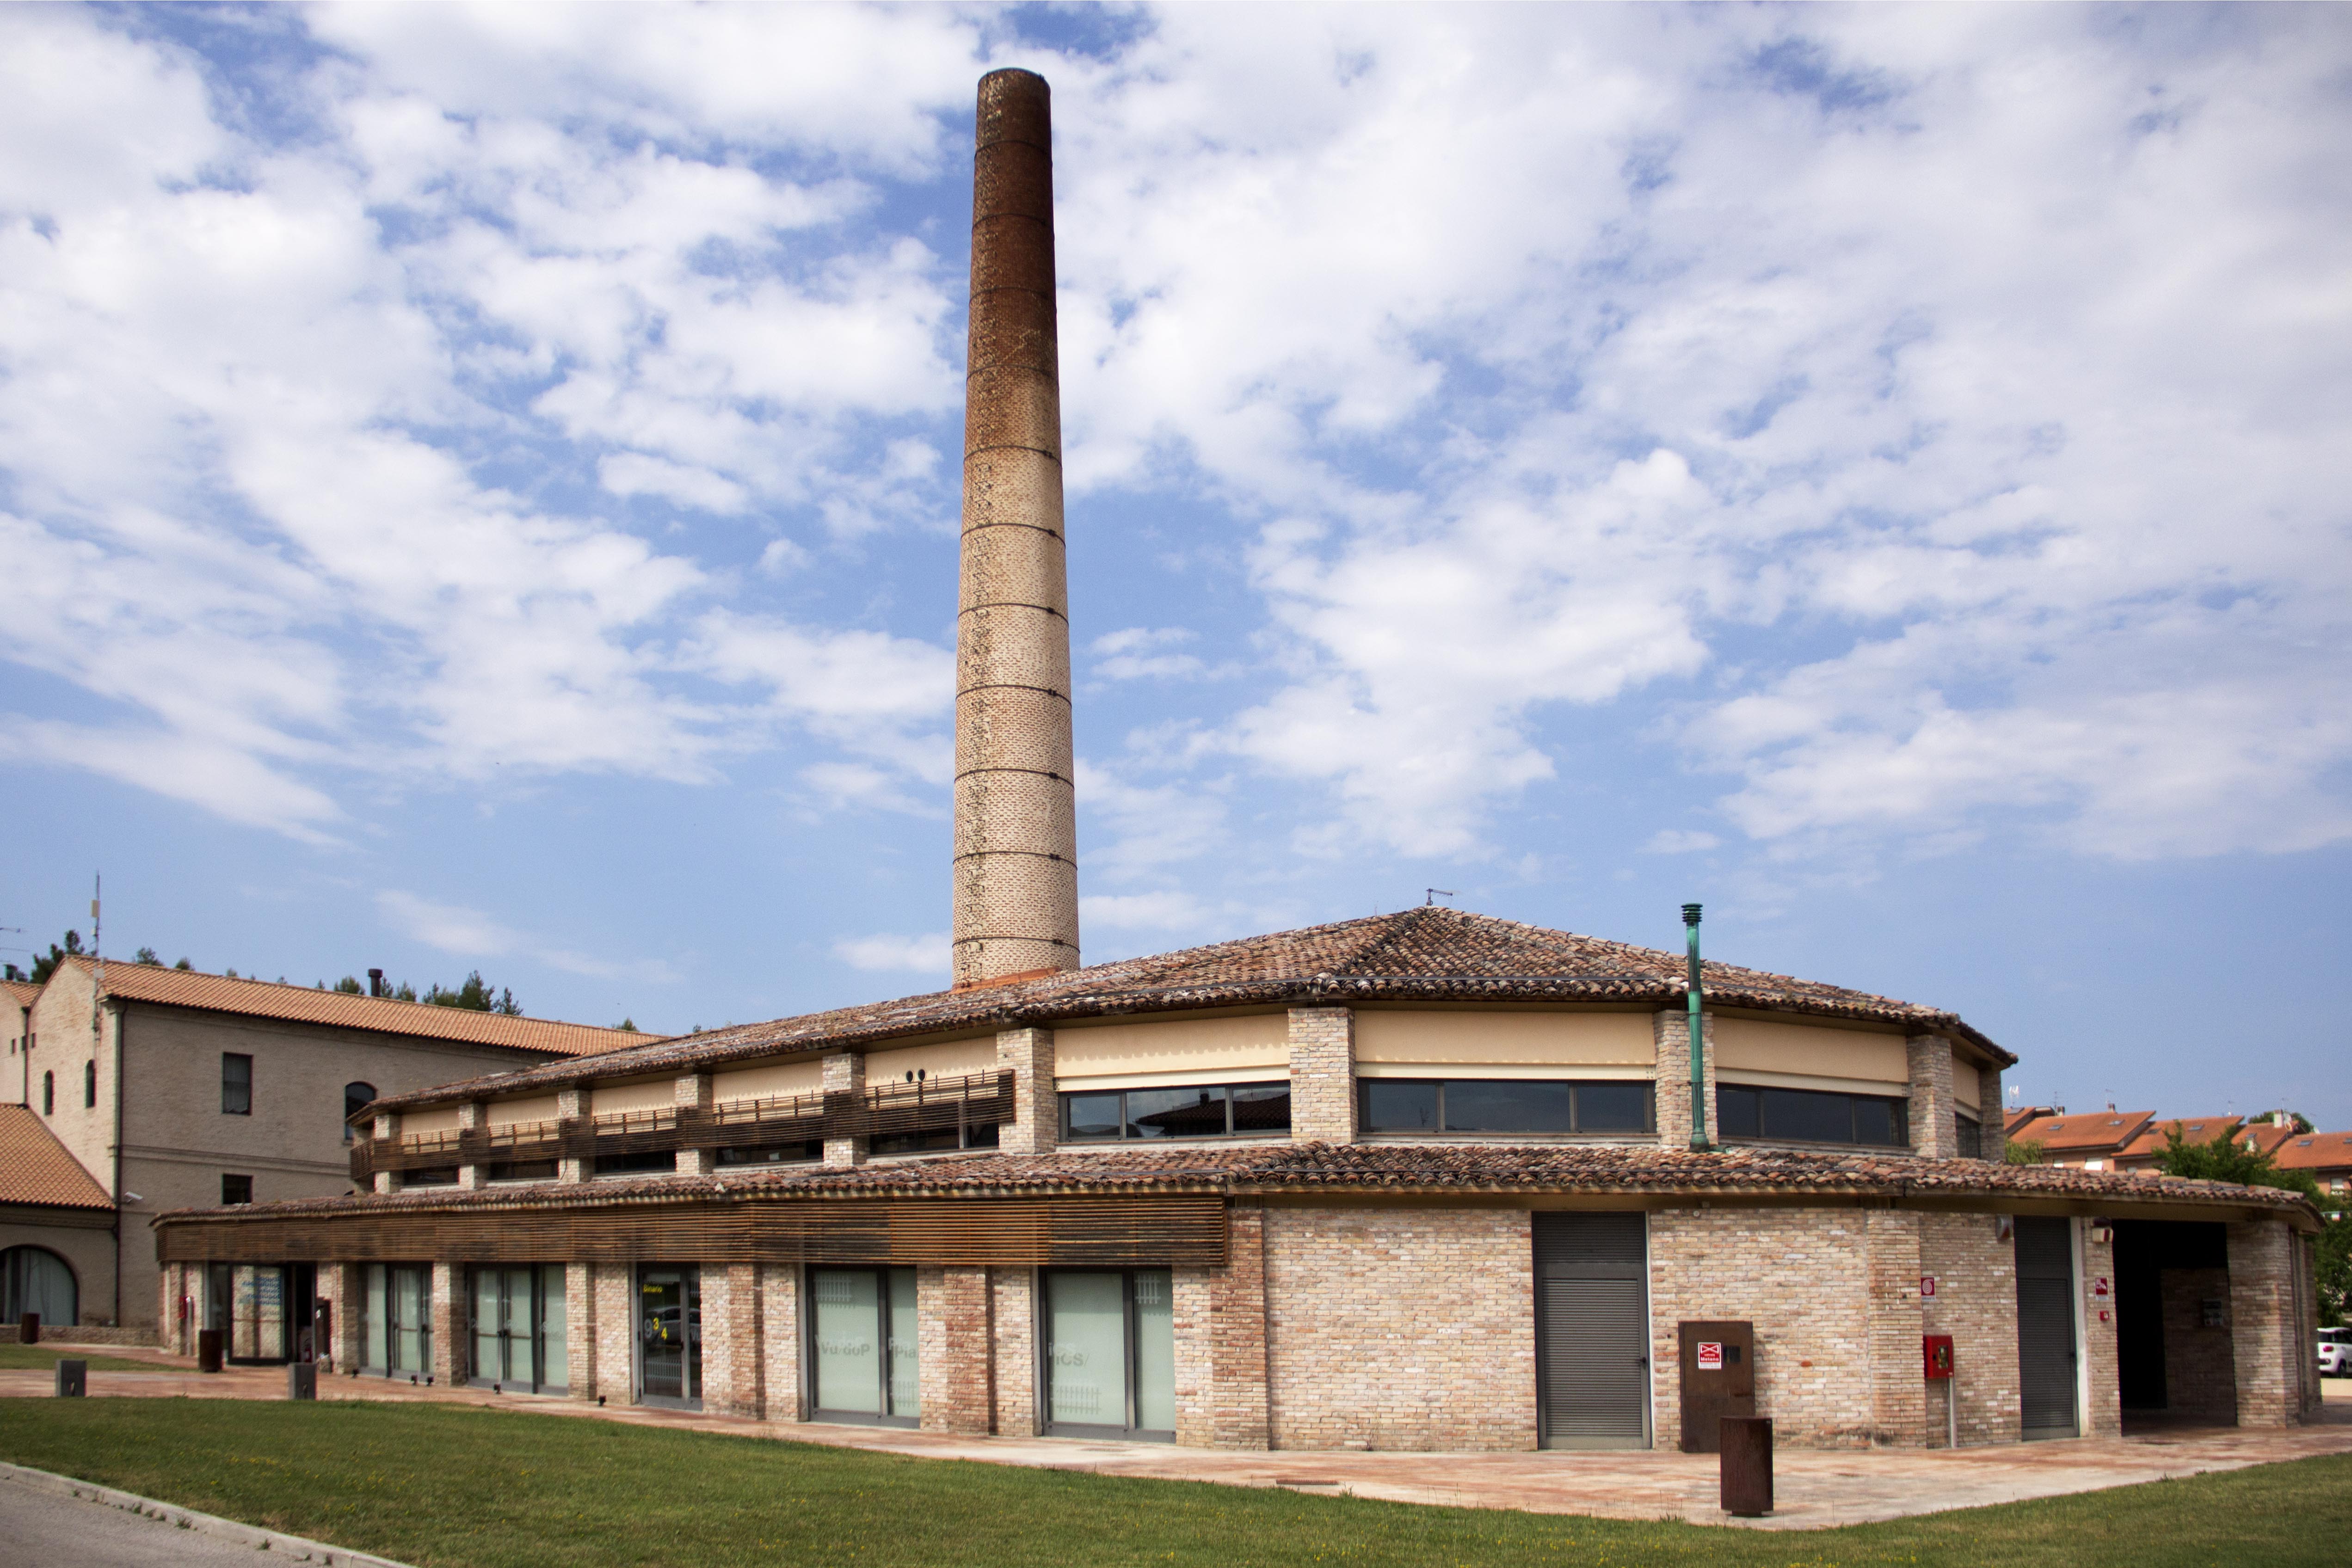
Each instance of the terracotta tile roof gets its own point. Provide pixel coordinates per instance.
(2315, 1151)
(1589, 1168)
(300, 1004)
(1417, 955)
(36, 1168)
(20, 992)
(2081, 1132)
(2152, 1141)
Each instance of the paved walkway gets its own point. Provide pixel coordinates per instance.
(1814, 1487)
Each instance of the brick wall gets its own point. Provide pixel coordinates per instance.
(2201, 1374)
(449, 1346)
(1036, 1122)
(1976, 1303)
(734, 1360)
(2104, 1415)
(1400, 1328)
(1898, 1386)
(1995, 1135)
(580, 1330)
(1014, 1320)
(952, 1329)
(1930, 1062)
(1240, 1367)
(2266, 1324)
(1671, 1026)
(844, 1070)
(614, 1286)
(1323, 1075)
(780, 1342)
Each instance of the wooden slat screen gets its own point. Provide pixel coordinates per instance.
(1158, 1229)
(983, 1099)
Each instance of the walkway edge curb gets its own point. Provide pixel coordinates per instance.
(297, 1547)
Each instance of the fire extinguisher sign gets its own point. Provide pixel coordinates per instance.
(1710, 1355)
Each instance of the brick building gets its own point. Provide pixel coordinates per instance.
(1428, 1180)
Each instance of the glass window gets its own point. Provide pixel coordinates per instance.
(237, 1084)
(89, 1085)
(356, 1099)
(522, 1170)
(773, 1154)
(432, 1176)
(1195, 1111)
(863, 1349)
(1111, 1349)
(1811, 1116)
(35, 1279)
(982, 1137)
(1519, 1106)
(642, 1160)
(48, 1094)
(237, 1189)
(1967, 1137)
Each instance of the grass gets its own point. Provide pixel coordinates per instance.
(459, 1487)
(41, 1357)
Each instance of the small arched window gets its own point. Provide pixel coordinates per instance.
(355, 1099)
(48, 1094)
(89, 1085)
(35, 1279)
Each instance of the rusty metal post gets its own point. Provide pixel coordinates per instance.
(1746, 1480)
(1016, 849)
(28, 1329)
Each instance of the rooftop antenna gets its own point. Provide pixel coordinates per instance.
(1430, 895)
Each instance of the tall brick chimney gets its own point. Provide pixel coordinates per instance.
(1016, 850)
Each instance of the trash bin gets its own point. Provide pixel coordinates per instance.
(301, 1380)
(28, 1329)
(208, 1350)
(73, 1379)
(1747, 1466)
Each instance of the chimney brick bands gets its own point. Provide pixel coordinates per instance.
(1017, 846)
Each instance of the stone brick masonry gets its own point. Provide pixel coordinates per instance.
(1400, 1328)
(1036, 1122)
(1976, 1303)
(1930, 1062)
(953, 1311)
(1670, 1027)
(1323, 1075)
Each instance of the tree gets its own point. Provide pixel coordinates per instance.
(2222, 1160)
(2019, 1154)
(350, 985)
(2336, 1272)
(147, 955)
(47, 964)
(183, 964)
(629, 1026)
(474, 996)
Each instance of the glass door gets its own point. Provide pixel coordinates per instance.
(396, 1326)
(670, 1335)
(518, 1327)
(863, 1346)
(1111, 1352)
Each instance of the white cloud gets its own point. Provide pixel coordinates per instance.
(1142, 653)
(927, 954)
(1680, 841)
(471, 935)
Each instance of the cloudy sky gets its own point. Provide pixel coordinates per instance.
(478, 489)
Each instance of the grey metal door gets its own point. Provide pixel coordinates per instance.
(1592, 1331)
(2045, 1328)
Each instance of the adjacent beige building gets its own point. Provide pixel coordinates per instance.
(172, 1089)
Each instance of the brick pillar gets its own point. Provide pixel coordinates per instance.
(2267, 1336)
(952, 1328)
(2104, 1414)
(1195, 1369)
(614, 1286)
(844, 1072)
(1930, 1057)
(1996, 1114)
(1036, 1122)
(1670, 1027)
(1238, 1417)
(1898, 1393)
(693, 1092)
(1013, 1309)
(387, 1127)
(472, 1115)
(351, 1304)
(780, 1308)
(580, 1330)
(449, 1351)
(1323, 1075)
(571, 1105)
(734, 1363)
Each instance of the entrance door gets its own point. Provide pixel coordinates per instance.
(517, 1327)
(1110, 1353)
(862, 1350)
(1592, 1331)
(2045, 1328)
(670, 1335)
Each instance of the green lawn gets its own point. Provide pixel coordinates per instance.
(41, 1357)
(444, 1485)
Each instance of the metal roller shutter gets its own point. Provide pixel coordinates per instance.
(1592, 1329)
(2045, 1327)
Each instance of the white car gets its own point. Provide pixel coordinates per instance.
(2335, 1352)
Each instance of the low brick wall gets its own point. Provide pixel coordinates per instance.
(76, 1334)
(2201, 1374)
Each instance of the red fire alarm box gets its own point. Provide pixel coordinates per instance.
(1936, 1349)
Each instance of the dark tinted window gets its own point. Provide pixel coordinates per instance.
(1514, 1106)
(1807, 1117)
(1811, 1116)
(237, 1189)
(1967, 1137)
(437, 1175)
(355, 1099)
(522, 1170)
(775, 1153)
(1195, 1111)
(88, 1084)
(643, 1160)
(237, 1084)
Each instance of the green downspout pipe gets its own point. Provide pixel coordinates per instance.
(1699, 1054)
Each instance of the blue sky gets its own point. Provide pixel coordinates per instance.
(478, 489)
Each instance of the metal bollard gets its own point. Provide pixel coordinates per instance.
(1747, 1466)
(28, 1329)
(208, 1350)
(73, 1379)
(301, 1380)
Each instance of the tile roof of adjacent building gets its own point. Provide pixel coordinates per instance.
(2315, 1151)
(34, 1168)
(2152, 1140)
(340, 1010)
(2083, 1133)
(1621, 1169)
(1422, 954)
(21, 992)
